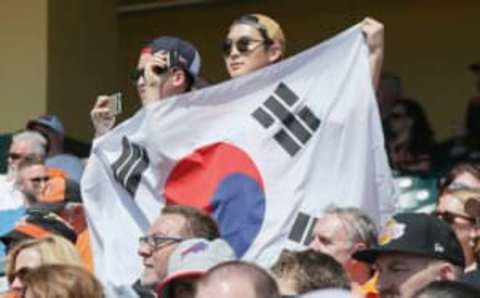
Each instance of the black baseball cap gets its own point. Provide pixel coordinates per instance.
(38, 225)
(188, 57)
(418, 234)
(59, 192)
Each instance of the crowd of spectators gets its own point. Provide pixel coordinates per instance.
(45, 243)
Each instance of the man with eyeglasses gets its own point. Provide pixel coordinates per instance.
(174, 65)
(255, 41)
(175, 224)
(472, 208)
(32, 179)
(452, 209)
(25, 145)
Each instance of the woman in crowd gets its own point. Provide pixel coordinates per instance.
(410, 141)
(54, 280)
(33, 253)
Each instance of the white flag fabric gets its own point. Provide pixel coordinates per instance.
(263, 153)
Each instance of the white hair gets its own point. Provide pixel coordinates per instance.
(35, 139)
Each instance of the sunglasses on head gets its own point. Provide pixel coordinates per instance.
(243, 45)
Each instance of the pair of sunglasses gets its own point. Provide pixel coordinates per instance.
(140, 73)
(244, 45)
(450, 217)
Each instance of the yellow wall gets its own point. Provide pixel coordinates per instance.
(70, 51)
(429, 43)
(23, 60)
(82, 59)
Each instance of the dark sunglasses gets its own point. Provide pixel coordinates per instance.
(140, 73)
(243, 45)
(450, 217)
(40, 179)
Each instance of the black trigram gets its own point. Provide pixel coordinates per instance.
(302, 229)
(131, 164)
(298, 127)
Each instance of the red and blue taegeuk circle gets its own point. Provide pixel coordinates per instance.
(223, 180)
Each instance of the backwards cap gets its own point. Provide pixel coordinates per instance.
(268, 28)
(188, 56)
(49, 121)
(38, 225)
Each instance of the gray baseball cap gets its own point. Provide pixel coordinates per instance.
(194, 257)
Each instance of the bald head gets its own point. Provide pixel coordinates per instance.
(237, 279)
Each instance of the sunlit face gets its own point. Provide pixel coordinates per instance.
(401, 275)
(26, 258)
(460, 222)
(257, 57)
(33, 180)
(331, 236)
(18, 151)
(155, 260)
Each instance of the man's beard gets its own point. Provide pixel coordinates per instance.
(389, 293)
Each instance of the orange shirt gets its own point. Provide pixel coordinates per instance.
(84, 249)
(369, 289)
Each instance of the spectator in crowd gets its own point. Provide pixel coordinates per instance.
(340, 232)
(35, 252)
(62, 196)
(175, 224)
(447, 289)
(172, 66)
(461, 176)
(472, 208)
(31, 179)
(255, 41)
(411, 142)
(52, 129)
(36, 225)
(25, 145)
(389, 91)
(414, 249)
(58, 280)
(237, 279)
(299, 272)
(451, 208)
(190, 260)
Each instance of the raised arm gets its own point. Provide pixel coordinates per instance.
(374, 35)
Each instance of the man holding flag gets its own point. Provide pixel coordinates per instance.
(261, 153)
